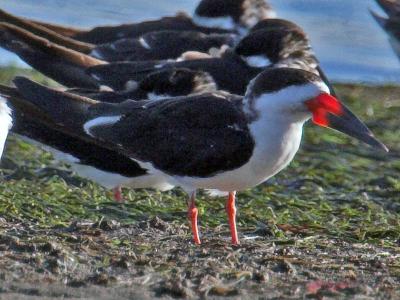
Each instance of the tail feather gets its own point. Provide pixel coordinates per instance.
(63, 30)
(46, 33)
(65, 109)
(54, 109)
(59, 63)
(47, 46)
(31, 122)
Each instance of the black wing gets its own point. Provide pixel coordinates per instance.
(59, 63)
(31, 123)
(107, 34)
(165, 44)
(230, 74)
(190, 136)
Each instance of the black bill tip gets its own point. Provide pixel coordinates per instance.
(349, 124)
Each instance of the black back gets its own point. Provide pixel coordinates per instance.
(183, 136)
(230, 73)
(107, 34)
(220, 8)
(170, 82)
(165, 44)
(88, 153)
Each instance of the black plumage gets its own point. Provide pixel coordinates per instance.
(180, 136)
(165, 44)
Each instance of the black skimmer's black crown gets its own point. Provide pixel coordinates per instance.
(280, 45)
(207, 141)
(240, 15)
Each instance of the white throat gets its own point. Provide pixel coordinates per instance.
(285, 103)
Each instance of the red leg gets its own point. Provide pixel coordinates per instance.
(192, 215)
(231, 212)
(118, 194)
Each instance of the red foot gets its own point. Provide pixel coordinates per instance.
(231, 212)
(193, 212)
(118, 194)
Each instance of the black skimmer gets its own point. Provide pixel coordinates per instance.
(210, 16)
(286, 47)
(285, 44)
(391, 24)
(213, 141)
(6, 123)
(163, 44)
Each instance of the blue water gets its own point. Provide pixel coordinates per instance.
(348, 42)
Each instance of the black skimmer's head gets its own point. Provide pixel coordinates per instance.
(176, 82)
(283, 44)
(238, 15)
(298, 95)
(5, 123)
(275, 23)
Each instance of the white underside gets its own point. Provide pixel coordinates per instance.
(106, 179)
(5, 123)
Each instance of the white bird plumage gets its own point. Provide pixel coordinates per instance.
(5, 123)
